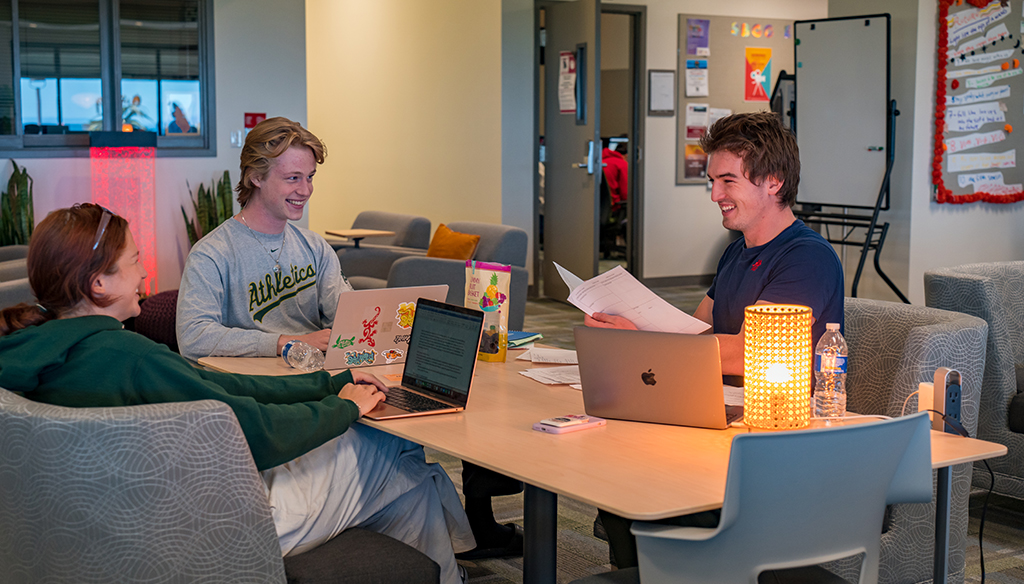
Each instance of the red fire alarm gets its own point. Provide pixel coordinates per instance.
(252, 119)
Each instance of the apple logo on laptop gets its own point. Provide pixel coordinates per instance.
(648, 378)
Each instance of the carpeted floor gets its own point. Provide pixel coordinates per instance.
(581, 554)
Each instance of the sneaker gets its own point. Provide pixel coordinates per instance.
(463, 573)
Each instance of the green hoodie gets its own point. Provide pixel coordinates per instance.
(91, 361)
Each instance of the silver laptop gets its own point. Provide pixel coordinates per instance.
(643, 376)
(372, 327)
(439, 369)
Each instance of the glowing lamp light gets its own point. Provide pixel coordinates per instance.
(127, 128)
(777, 356)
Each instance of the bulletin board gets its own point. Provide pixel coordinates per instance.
(730, 65)
(978, 102)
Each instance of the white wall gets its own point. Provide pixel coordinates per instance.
(258, 69)
(407, 95)
(683, 233)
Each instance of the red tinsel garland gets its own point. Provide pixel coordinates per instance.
(944, 195)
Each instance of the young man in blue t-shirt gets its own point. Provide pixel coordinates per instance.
(754, 169)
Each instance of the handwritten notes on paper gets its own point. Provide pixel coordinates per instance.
(969, 141)
(979, 107)
(617, 292)
(981, 160)
(979, 95)
(970, 118)
(968, 23)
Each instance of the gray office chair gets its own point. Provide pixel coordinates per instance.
(367, 266)
(160, 493)
(995, 293)
(501, 244)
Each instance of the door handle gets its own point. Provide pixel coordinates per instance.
(589, 162)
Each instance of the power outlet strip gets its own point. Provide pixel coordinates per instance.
(943, 395)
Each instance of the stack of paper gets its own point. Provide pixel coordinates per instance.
(554, 375)
(618, 293)
(536, 355)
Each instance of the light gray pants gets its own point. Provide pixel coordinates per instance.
(370, 479)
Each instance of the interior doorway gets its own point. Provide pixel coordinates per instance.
(617, 216)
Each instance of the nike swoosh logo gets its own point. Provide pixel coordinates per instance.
(273, 250)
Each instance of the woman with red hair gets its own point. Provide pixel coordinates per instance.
(323, 473)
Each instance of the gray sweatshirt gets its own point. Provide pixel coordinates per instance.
(231, 303)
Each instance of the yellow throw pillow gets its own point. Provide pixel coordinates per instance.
(452, 244)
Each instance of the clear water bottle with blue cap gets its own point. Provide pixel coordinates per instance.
(302, 356)
(830, 374)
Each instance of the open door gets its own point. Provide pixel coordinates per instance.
(572, 141)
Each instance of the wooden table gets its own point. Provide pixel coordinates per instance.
(640, 471)
(356, 235)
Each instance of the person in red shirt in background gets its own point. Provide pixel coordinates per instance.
(616, 173)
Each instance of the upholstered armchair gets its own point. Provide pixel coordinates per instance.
(367, 266)
(157, 493)
(893, 347)
(13, 252)
(498, 243)
(995, 293)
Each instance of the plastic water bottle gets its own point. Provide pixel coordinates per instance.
(302, 356)
(830, 374)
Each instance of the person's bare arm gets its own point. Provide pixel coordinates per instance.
(602, 320)
(703, 312)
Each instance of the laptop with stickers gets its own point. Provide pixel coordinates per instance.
(439, 369)
(645, 376)
(372, 327)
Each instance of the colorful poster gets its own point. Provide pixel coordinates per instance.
(696, 162)
(698, 34)
(758, 74)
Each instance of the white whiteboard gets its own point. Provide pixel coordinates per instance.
(842, 103)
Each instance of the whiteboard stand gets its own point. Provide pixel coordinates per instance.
(850, 220)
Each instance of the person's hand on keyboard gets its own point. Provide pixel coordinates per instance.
(360, 376)
(365, 395)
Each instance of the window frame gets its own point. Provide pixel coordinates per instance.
(21, 145)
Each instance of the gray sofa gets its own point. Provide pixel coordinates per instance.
(498, 243)
(995, 293)
(159, 494)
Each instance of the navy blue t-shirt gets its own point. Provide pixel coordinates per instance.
(797, 267)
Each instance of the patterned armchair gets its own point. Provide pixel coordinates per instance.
(994, 292)
(893, 347)
(156, 493)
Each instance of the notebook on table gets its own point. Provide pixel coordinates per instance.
(439, 368)
(644, 376)
(372, 327)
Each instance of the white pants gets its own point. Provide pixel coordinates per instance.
(370, 479)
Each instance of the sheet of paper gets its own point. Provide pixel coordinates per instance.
(717, 113)
(696, 83)
(980, 58)
(696, 120)
(960, 143)
(994, 34)
(981, 178)
(967, 23)
(554, 375)
(733, 395)
(959, 73)
(981, 160)
(571, 280)
(986, 80)
(617, 292)
(553, 356)
(662, 96)
(970, 118)
(979, 95)
(576, 386)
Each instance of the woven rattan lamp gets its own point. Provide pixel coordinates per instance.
(777, 366)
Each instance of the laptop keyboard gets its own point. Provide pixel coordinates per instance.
(413, 402)
(732, 414)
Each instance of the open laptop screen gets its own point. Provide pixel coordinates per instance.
(443, 349)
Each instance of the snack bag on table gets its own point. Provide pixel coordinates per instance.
(487, 286)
